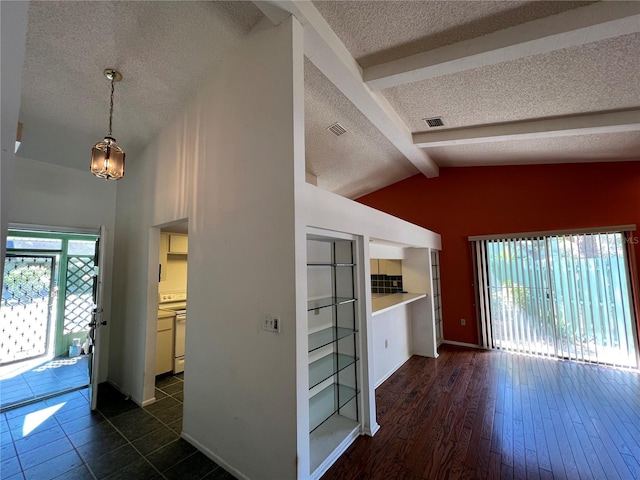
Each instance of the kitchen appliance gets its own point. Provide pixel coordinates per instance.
(176, 302)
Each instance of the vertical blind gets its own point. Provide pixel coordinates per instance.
(565, 295)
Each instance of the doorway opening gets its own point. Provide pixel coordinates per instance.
(171, 356)
(564, 296)
(49, 283)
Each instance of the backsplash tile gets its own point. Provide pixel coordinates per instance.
(381, 283)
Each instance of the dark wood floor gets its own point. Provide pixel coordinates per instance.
(476, 414)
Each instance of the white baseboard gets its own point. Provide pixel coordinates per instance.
(426, 354)
(214, 457)
(372, 431)
(391, 372)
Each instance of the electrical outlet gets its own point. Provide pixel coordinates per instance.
(271, 323)
(463, 322)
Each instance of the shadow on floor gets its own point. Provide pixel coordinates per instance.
(28, 381)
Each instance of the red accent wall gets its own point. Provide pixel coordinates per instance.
(493, 200)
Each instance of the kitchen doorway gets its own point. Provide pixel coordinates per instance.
(46, 307)
(171, 357)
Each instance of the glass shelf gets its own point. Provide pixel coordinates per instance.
(327, 336)
(327, 302)
(327, 366)
(327, 402)
(323, 264)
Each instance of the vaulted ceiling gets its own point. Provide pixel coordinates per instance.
(514, 82)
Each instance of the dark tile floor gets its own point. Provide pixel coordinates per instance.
(25, 381)
(61, 438)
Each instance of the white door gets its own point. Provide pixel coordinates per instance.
(96, 317)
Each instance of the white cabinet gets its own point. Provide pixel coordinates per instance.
(375, 268)
(173, 262)
(332, 316)
(390, 267)
(178, 244)
(381, 266)
(164, 247)
(164, 342)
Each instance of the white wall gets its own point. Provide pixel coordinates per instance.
(13, 32)
(326, 210)
(46, 194)
(391, 342)
(423, 339)
(227, 165)
(391, 252)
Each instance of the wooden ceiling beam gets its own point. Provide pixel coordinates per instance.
(602, 122)
(327, 52)
(588, 24)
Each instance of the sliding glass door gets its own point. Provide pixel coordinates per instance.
(566, 296)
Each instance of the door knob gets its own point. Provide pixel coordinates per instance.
(93, 324)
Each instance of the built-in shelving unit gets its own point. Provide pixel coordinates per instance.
(332, 312)
(437, 299)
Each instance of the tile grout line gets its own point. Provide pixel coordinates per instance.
(66, 436)
(167, 425)
(108, 421)
(128, 442)
(179, 436)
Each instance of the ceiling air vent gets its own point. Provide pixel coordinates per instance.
(434, 122)
(337, 129)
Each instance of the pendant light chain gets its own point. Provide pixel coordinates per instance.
(111, 105)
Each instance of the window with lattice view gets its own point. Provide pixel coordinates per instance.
(47, 295)
(79, 294)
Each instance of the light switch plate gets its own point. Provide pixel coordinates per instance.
(271, 323)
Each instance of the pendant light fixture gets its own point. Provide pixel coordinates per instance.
(107, 157)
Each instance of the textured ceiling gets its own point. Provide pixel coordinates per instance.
(599, 76)
(571, 149)
(167, 49)
(590, 78)
(354, 163)
(380, 31)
